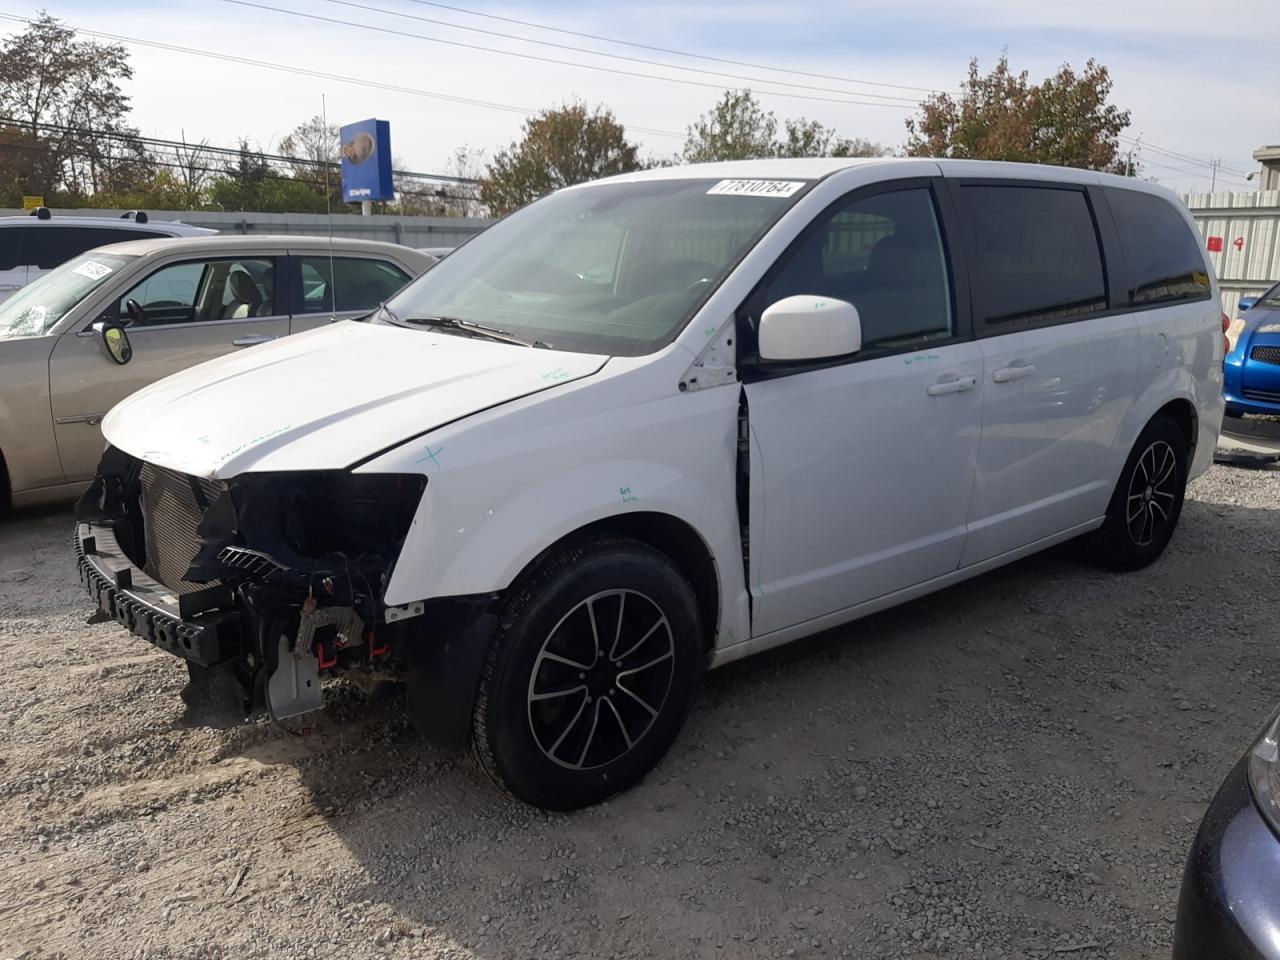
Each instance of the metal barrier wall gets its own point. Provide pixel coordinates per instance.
(1241, 231)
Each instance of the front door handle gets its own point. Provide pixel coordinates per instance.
(952, 384)
(250, 341)
(1018, 370)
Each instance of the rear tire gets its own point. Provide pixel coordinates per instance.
(1147, 501)
(589, 676)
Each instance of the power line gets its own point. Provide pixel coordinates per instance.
(178, 164)
(347, 24)
(221, 151)
(911, 101)
(1165, 151)
(1198, 174)
(667, 50)
(319, 74)
(176, 159)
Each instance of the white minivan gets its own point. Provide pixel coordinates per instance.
(657, 423)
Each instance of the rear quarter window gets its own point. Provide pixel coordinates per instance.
(1161, 250)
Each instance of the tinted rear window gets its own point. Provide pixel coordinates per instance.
(48, 246)
(11, 247)
(1033, 255)
(1161, 251)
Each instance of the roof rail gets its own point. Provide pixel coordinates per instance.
(137, 216)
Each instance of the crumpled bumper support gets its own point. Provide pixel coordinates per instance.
(148, 609)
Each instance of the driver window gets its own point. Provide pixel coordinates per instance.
(203, 290)
(883, 254)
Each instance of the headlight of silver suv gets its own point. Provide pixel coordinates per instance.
(1264, 772)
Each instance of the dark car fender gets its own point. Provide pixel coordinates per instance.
(1229, 907)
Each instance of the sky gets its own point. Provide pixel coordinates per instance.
(1195, 77)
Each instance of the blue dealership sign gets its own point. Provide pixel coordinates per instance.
(366, 161)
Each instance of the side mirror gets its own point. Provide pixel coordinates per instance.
(1247, 303)
(115, 340)
(809, 328)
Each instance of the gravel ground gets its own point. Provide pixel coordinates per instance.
(1011, 768)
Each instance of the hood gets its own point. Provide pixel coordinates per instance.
(328, 398)
(1262, 325)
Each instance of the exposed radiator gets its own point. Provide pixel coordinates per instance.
(172, 506)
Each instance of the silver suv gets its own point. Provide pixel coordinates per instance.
(32, 245)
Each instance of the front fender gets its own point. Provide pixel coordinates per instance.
(505, 541)
(504, 486)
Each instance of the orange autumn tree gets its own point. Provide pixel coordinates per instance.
(1065, 120)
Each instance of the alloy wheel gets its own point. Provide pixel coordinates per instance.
(600, 679)
(1152, 493)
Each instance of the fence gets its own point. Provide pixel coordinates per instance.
(410, 231)
(1241, 231)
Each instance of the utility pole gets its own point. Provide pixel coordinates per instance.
(1213, 177)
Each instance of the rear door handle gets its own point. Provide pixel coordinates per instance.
(952, 384)
(250, 341)
(1018, 370)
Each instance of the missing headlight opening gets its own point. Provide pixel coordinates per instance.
(278, 578)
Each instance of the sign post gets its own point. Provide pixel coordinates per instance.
(366, 163)
(32, 203)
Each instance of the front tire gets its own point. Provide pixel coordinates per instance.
(1147, 501)
(590, 674)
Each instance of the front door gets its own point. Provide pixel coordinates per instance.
(861, 470)
(187, 312)
(1060, 366)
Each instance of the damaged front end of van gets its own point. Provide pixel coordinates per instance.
(268, 583)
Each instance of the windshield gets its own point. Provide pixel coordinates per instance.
(1271, 298)
(33, 310)
(615, 269)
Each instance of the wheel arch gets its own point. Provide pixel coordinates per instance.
(671, 536)
(444, 677)
(1182, 412)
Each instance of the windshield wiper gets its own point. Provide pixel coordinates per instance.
(472, 328)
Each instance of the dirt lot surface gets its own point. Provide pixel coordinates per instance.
(1007, 769)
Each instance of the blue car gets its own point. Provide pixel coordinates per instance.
(1252, 380)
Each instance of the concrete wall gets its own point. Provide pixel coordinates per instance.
(411, 231)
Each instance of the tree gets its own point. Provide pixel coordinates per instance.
(738, 128)
(193, 172)
(315, 150)
(560, 147)
(66, 94)
(445, 198)
(809, 138)
(463, 200)
(1065, 120)
(251, 183)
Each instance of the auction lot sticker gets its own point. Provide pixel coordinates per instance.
(756, 188)
(93, 270)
